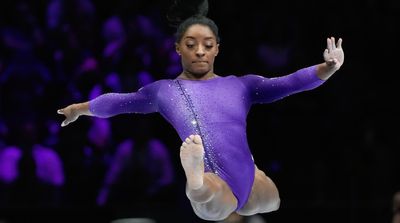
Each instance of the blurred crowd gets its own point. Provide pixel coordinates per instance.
(54, 53)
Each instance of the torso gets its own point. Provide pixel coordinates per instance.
(216, 109)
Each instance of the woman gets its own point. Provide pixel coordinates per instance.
(209, 113)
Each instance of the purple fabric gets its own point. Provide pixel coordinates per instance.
(216, 109)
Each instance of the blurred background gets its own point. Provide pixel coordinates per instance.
(333, 152)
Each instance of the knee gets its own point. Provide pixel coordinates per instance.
(275, 204)
(270, 198)
(211, 212)
(272, 204)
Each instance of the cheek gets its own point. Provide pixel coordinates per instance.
(185, 60)
(212, 58)
(185, 63)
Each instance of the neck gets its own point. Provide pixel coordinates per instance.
(191, 76)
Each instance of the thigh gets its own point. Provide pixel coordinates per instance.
(264, 196)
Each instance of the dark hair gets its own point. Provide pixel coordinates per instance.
(185, 13)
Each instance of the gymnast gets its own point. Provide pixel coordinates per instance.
(209, 112)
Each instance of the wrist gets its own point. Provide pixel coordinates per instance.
(325, 70)
(83, 109)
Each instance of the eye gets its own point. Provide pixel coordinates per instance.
(190, 46)
(209, 46)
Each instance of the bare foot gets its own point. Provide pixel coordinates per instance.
(192, 153)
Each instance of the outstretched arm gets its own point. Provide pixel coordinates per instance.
(334, 58)
(110, 104)
(266, 90)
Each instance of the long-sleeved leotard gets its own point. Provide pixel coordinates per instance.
(216, 109)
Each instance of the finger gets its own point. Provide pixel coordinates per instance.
(325, 52)
(60, 111)
(339, 43)
(64, 123)
(328, 45)
(333, 43)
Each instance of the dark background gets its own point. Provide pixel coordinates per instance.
(332, 151)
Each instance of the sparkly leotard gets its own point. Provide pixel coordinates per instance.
(216, 109)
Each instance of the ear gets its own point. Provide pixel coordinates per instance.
(217, 50)
(177, 49)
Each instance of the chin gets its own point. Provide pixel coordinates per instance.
(199, 73)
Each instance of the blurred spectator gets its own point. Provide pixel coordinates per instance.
(114, 35)
(50, 173)
(96, 156)
(9, 172)
(30, 171)
(138, 172)
(49, 164)
(24, 79)
(9, 159)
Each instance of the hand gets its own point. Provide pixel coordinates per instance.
(333, 54)
(71, 113)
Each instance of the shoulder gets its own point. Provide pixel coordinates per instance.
(249, 79)
(251, 76)
(155, 84)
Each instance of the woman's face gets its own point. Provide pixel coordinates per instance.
(198, 49)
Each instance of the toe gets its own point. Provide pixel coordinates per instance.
(188, 140)
(197, 139)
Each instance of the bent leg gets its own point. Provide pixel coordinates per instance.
(220, 203)
(210, 197)
(264, 196)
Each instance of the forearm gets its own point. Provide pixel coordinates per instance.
(111, 104)
(266, 90)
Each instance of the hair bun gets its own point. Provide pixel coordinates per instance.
(183, 9)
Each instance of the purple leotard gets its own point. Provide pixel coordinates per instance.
(216, 109)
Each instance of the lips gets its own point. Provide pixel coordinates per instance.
(200, 61)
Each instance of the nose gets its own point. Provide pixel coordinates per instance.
(200, 51)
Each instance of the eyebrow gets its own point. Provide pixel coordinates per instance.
(191, 37)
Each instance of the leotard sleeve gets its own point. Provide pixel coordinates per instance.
(266, 90)
(110, 104)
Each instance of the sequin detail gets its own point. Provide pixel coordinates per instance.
(210, 161)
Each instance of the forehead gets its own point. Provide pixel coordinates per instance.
(199, 31)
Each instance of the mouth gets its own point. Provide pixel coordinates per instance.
(200, 61)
